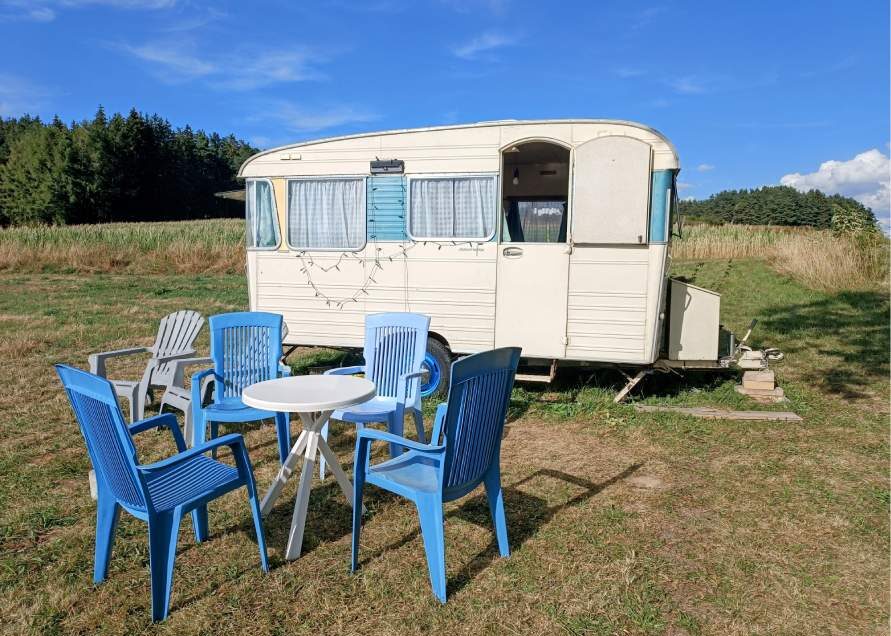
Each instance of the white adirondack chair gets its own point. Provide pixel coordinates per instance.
(173, 349)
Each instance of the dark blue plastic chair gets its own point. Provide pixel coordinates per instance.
(246, 348)
(395, 346)
(159, 493)
(464, 453)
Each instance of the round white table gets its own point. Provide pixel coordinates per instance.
(314, 398)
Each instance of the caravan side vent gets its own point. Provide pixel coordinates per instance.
(387, 166)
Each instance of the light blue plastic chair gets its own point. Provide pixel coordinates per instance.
(464, 453)
(246, 348)
(395, 345)
(159, 493)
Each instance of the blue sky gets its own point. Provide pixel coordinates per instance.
(751, 93)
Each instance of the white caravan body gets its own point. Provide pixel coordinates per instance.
(549, 235)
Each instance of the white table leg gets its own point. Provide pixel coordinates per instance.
(298, 521)
(284, 473)
(342, 480)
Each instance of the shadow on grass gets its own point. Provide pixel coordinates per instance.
(849, 328)
(526, 514)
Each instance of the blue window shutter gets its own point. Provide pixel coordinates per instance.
(386, 208)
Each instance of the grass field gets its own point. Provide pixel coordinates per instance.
(619, 522)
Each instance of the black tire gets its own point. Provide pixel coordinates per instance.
(443, 358)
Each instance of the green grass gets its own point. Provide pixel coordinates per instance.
(620, 522)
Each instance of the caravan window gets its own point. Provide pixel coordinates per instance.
(261, 216)
(326, 214)
(448, 208)
(534, 221)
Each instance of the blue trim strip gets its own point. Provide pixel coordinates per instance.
(385, 203)
(659, 206)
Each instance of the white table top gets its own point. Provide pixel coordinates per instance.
(308, 393)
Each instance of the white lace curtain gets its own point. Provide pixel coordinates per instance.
(326, 214)
(454, 208)
(262, 224)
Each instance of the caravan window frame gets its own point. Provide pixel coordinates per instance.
(339, 177)
(247, 229)
(456, 175)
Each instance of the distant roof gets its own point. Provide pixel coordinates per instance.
(232, 195)
(481, 124)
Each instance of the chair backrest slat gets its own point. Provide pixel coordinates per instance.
(395, 344)
(479, 393)
(246, 348)
(111, 449)
(176, 335)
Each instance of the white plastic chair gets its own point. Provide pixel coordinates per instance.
(174, 342)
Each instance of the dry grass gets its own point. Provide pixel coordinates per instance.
(817, 258)
(183, 247)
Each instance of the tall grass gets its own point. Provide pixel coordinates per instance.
(817, 258)
(168, 247)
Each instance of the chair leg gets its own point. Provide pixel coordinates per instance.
(431, 517)
(107, 514)
(419, 425)
(187, 424)
(199, 521)
(396, 427)
(258, 523)
(214, 430)
(163, 532)
(283, 429)
(322, 463)
(358, 488)
(496, 508)
(199, 426)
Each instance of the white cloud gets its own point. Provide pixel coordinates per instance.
(688, 85)
(627, 72)
(865, 178)
(682, 185)
(46, 10)
(297, 119)
(19, 96)
(485, 43)
(705, 167)
(175, 61)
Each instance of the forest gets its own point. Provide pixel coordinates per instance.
(133, 167)
(780, 205)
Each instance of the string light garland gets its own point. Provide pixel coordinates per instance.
(308, 263)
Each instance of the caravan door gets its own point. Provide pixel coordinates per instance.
(533, 277)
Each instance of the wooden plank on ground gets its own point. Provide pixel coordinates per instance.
(720, 414)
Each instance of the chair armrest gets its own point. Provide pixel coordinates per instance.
(284, 371)
(402, 385)
(188, 353)
(438, 420)
(346, 370)
(180, 365)
(97, 360)
(372, 434)
(163, 420)
(198, 384)
(233, 440)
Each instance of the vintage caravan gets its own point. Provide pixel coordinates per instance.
(549, 235)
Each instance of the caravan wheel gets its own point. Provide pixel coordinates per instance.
(437, 363)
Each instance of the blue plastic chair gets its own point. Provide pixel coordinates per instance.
(159, 493)
(395, 345)
(464, 453)
(246, 348)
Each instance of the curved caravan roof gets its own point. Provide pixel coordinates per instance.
(462, 148)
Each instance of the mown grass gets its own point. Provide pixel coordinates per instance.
(620, 522)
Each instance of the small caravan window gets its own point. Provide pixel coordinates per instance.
(326, 214)
(452, 207)
(262, 219)
(534, 221)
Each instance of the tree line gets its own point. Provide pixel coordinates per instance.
(133, 167)
(780, 205)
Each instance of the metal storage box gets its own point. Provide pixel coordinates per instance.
(693, 326)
